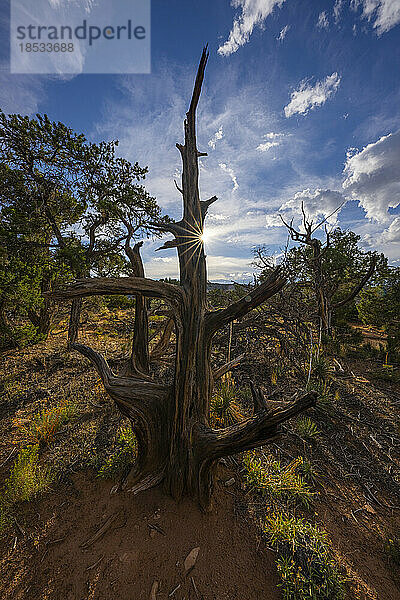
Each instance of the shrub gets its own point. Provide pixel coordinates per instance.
(276, 481)
(117, 301)
(324, 400)
(123, 456)
(224, 409)
(307, 471)
(392, 549)
(44, 426)
(305, 563)
(19, 336)
(306, 428)
(27, 480)
(321, 368)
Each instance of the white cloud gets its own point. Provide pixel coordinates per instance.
(384, 14)
(20, 93)
(253, 12)
(373, 176)
(307, 97)
(267, 146)
(148, 132)
(218, 135)
(283, 33)
(216, 218)
(323, 22)
(231, 174)
(391, 235)
(274, 139)
(273, 220)
(274, 136)
(337, 10)
(320, 204)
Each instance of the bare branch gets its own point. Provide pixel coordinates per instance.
(92, 232)
(168, 244)
(227, 367)
(121, 285)
(205, 204)
(218, 318)
(163, 343)
(358, 287)
(199, 81)
(178, 188)
(98, 360)
(253, 432)
(134, 257)
(259, 400)
(124, 390)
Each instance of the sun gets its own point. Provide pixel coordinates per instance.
(205, 237)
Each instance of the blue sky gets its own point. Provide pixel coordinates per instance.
(300, 103)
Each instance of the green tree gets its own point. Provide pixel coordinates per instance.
(74, 204)
(335, 269)
(379, 305)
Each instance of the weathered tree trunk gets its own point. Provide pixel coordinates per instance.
(74, 320)
(324, 310)
(42, 319)
(139, 362)
(171, 422)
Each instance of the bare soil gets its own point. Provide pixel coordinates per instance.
(143, 549)
(356, 457)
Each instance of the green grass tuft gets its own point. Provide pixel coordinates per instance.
(305, 562)
(27, 480)
(224, 409)
(44, 426)
(123, 456)
(282, 483)
(306, 428)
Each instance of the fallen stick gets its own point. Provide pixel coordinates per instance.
(13, 451)
(96, 563)
(101, 531)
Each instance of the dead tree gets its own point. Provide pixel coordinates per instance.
(323, 295)
(176, 445)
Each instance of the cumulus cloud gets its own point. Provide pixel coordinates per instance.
(317, 204)
(307, 97)
(252, 13)
(391, 235)
(273, 221)
(218, 135)
(372, 176)
(384, 14)
(283, 33)
(323, 22)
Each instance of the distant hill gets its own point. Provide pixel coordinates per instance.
(219, 286)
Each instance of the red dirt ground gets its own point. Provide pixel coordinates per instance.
(48, 562)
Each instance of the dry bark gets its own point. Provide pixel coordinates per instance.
(176, 445)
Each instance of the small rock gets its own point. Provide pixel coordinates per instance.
(191, 558)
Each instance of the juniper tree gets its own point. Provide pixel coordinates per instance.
(176, 444)
(72, 203)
